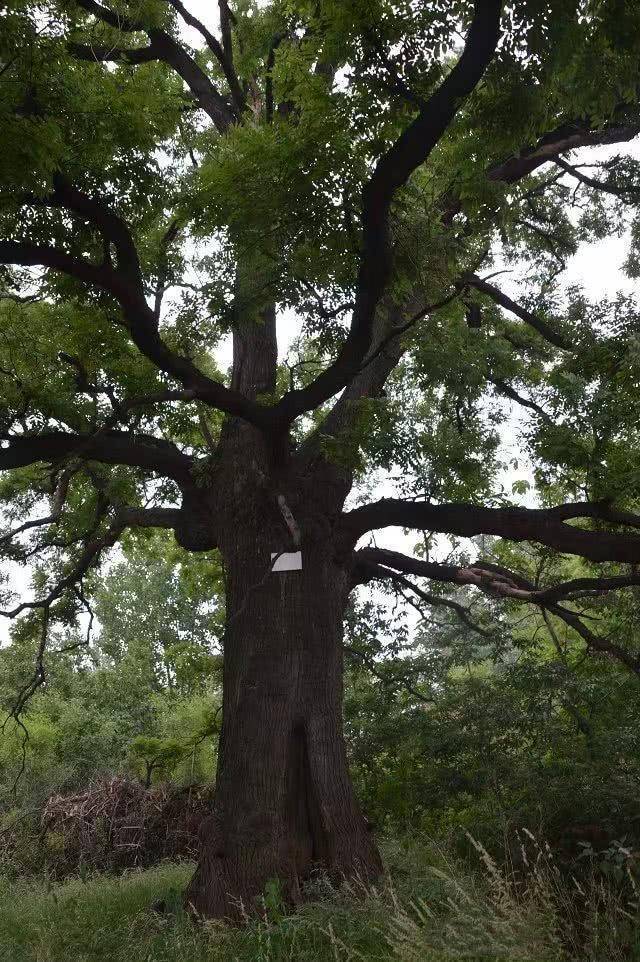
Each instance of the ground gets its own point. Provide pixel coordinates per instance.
(430, 908)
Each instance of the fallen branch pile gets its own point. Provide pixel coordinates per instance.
(116, 823)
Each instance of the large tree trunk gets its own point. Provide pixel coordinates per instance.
(284, 803)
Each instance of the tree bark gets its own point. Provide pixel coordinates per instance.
(284, 804)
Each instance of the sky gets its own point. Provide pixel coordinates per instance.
(597, 267)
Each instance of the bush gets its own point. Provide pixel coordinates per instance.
(113, 825)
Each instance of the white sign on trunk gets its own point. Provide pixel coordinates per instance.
(286, 561)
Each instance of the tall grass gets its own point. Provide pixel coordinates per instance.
(430, 908)
(533, 914)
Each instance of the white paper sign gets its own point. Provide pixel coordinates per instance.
(287, 561)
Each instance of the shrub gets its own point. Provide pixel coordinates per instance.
(113, 825)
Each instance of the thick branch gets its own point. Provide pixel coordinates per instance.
(497, 581)
(41, 255)
(165, 48)
(436, 601)
(391, 172)
(580, 588)
(99, 53)
(568, 136)
(115, 20)
(508, 391)
(491, 578)
(544, 526)
(617, 191)
(222, 54)
(111, 447)
(225, 27)
(141, 323)
(366, 559)
(112, 227)
(208, 98)
(388, 343)
(537, 323)
(596, 642)
(150, 517)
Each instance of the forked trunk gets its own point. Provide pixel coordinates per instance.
(284, 803)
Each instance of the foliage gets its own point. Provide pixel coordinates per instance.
(141, 697)
(506, 724)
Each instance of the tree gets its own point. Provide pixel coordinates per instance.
(158, 614)
(142, 694)
(357, 164)
(497, 721)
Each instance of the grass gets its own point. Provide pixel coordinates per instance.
(429, 909)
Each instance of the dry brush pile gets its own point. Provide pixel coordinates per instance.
(117, 824)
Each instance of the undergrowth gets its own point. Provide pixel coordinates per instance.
(430, 907)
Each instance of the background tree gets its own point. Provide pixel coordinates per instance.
(362, 166)
(143, 692)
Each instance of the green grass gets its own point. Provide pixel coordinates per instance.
(105, 918)
(430, 909)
